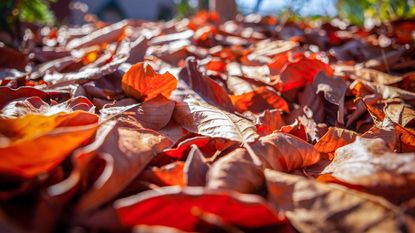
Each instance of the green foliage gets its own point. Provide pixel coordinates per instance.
(35, 11)
(356, 11)
(183, 9)
(32, 11)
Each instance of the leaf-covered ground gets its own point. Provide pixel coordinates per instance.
(253, 125)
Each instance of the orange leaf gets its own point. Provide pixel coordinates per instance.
(171, 174)
(38, 143)
(143, 83)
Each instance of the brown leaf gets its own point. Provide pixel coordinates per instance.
(334, 90)
(375, 76)
(208, 89)
(154, 114)
(207, 120)
(369, 163)
(401, 114)
(8, 95)
(317, 207)
(235, 171)
(11, 58)
(261, 74)
(126, 149)
(195, 168)
(388, 92)
(284, 152)
(106, 34)
(91, 73)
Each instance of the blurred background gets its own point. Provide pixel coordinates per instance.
(114, 10)
(60, 12)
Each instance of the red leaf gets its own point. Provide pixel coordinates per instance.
(302, 72)
(259, 100)
(176, 208)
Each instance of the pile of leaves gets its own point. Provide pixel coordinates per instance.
(194, 125)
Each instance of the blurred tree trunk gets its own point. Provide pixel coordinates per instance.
(203, 5)
(225, 8)
(257, 6)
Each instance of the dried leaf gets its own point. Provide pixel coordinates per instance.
(170, 174)
(284, 152)
(259, 100)
(369, 163)
(8, 95)
(177, 208)
(269, 121)
(154, 114)
(195, 168)
(334, 139)
(207, 120)
(206, 88)
(235, 171)
(143, 83)
(126, 149)
(401, 114)
(106, 34)
(302, 72)
(317, 207)
(37, 143)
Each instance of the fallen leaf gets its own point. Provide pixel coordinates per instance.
(371, 164)
(259, 100)
(269, 121)
(335, 138)
(154, 114)
(170, 174)
(207, 120)
(195, 168)
(32, 141)
(184, 146)
(143, 83)
(104, 35)
(12, 58)
(8, 95)
(177, 208)
(375, 76)
(125, 149)
(285, 152)
(317, 207)
(334, 90)
(91, 73)
(35, 105)
(401, 114)
(302, 72)
(235, 171)
(208, 89)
